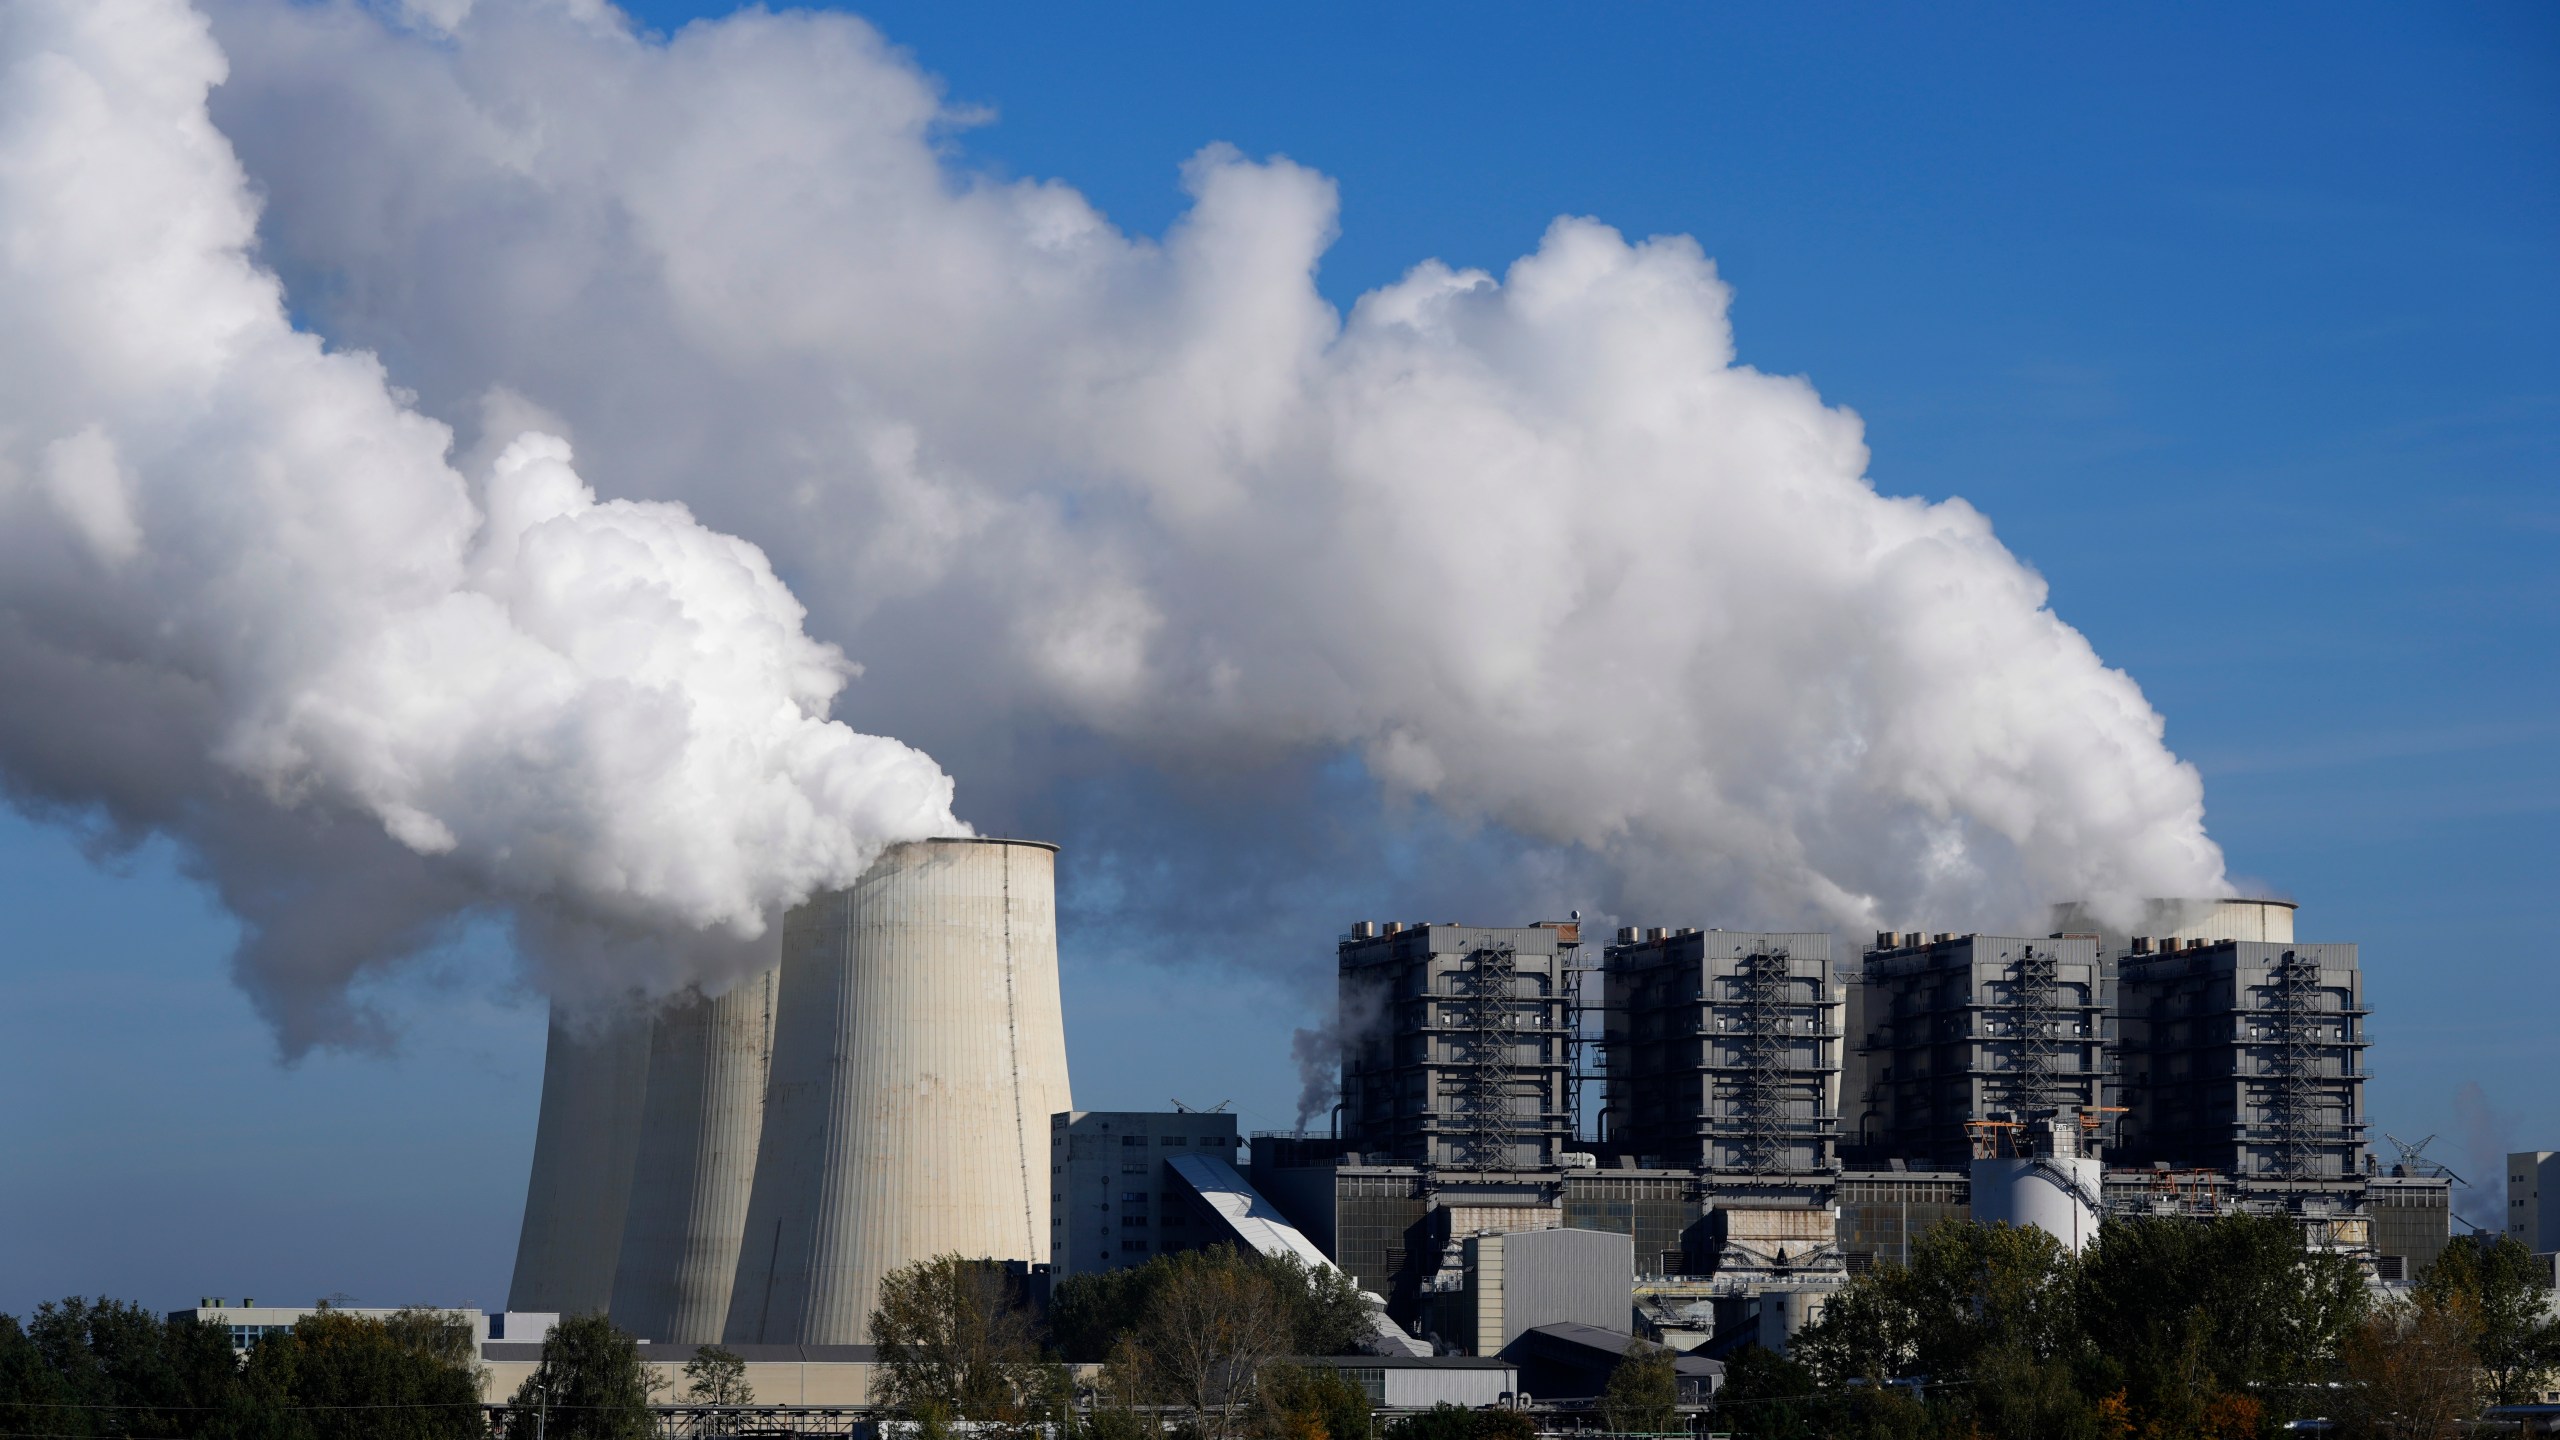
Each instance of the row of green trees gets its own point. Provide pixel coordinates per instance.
(1199, 1334)
(104, 1368)
(2164, 1327)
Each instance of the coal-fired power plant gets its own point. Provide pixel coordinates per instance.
(746, 1168)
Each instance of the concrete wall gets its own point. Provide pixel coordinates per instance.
(584, 1147)
(776, 1375)
(918, 1055)
(708, 1063)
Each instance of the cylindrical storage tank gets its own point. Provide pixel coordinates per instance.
(918, 1054)
(584, 1145)
(1784, 1312)
(2200, 919)
(699, 1128)
(2050, 1192)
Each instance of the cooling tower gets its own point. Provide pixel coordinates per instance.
(697, 1160)
(583, 1148)
(2220, 919)
(918, 1055)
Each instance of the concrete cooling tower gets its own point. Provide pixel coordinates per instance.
(584, 1146)
(2234, 918)
(918, 1055)
(700, 1122)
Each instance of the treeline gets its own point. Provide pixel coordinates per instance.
(2163, 1327)
(105, 1368)
(1198, 1336)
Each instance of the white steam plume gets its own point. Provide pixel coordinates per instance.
(245, 602)
(1534, 547)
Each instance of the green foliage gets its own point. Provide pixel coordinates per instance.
(1312, 1402)
(1441, 1422)
(32, 1395)
(2517, 1344)
(1321, 1308)
(955, 1344)
(336, 1376)
(1768, 1396)
(1644, 1392)
(717, 1377)
(2164, 1326)
(591, 1385)
(106, 1368)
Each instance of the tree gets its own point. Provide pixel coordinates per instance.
(33, 1399)
(127, 1372)
(1088, 1314)
(1768, 1396)
(591, 1385)
(717, 1377)
(2187, 1311)
(1216, 1318)
(2517, 1343)
(412, 1376)
(1967, 1288)
(1644, 1392)
(1311, 1402)
(954, 1342)
(2411, 1372)
(1443, 1421)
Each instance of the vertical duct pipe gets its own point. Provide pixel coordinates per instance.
(699, 1128)
(918, 1055)
(584, 1145)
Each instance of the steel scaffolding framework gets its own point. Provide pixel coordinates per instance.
(2292, 1090)
(1482, 1042)
(2034, 1023)
(1761, 987)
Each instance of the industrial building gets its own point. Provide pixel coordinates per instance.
(1115, 1199)
(1458, 1048)
(1955, 1031)
(2246, 1057)
(2531, 1174)
(1723, 1051)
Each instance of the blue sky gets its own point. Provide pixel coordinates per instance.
(2239, 326)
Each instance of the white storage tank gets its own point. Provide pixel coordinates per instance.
(584, 1146)
(918, 1054)
(2050, 1186)
(699, 1128)
(2229, 918)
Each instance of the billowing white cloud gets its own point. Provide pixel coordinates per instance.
(1534, 547)
(245, 601)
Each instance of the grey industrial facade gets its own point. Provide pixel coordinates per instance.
(1460, 1051)
(1723, 1050)
(1752, 1086)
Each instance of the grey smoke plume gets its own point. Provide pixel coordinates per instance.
(2487, 1138)
(1534, 548)
(245, 602)
(1318, 1051)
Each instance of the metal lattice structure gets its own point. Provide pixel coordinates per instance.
(1757, 1119)
(2034, 1023)
(2293, 1098)
(1484, 1031)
